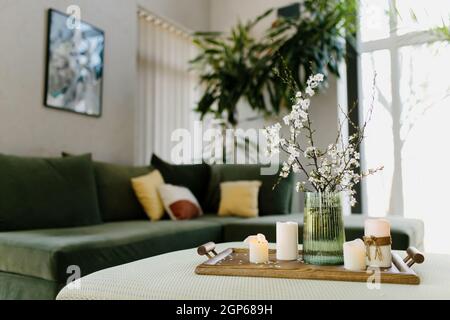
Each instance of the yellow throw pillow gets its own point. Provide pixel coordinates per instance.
(146, 190)
(239, 199)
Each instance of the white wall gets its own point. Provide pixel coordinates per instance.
(26, 126)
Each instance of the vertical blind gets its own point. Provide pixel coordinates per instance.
(166, 90)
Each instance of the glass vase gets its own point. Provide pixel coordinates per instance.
(323, 230)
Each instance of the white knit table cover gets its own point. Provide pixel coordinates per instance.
(171, 276)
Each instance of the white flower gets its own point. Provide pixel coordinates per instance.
(284, 174)
(334, 169)
(305, 104)
(310, 152)
(303, 115)
(291, 159)
(293, 151)
(298, 124)
(300, 186)
(319, 77)
(309, 91)
(314, 80)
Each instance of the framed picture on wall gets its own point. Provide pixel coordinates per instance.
(74, 71)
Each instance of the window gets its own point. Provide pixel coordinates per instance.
(409, 131)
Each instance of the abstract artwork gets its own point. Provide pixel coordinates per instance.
(74, 75)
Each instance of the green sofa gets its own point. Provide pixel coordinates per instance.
(34, 262)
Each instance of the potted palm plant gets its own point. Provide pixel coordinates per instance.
(238, 65)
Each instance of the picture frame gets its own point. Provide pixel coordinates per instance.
(74, 73)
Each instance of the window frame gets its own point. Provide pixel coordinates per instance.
(393, 43)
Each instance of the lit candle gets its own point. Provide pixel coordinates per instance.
(355, 255)
(287, 241)
(377, 237)
(258, 248)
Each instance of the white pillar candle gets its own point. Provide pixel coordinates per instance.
(287, 241)
(258, 248)
(378, 228)
(355, 255)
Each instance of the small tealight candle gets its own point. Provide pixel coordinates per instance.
(258, 248)
(378, 254)
(287, 241)
(355, 255)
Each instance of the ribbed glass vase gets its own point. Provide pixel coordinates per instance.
(323, 230)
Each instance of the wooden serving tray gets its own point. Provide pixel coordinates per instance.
(235, 262)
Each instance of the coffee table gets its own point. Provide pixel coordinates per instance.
(171, 276)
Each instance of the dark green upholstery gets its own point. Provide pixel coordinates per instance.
(116, 198)
(46, 254)
(272, 201)
(47, 193)
(195, 177)
(18, 287)
(405, 232)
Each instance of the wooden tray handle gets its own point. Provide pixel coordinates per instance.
(414, 256)
(207, 249)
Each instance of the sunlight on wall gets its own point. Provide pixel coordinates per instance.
(378, 146)
(425, 91)
(409, 133)
(423, 134)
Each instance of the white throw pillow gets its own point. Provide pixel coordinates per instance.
(179, 202)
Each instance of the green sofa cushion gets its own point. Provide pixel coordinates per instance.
(47, 193)
(116, 198)
(405, 232)
(195, 177)
(18, 287)
(271, 201)
(46, 254)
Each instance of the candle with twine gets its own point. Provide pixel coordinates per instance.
(378, 241)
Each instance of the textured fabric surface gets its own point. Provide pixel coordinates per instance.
(239, 198)
(171, 276)
(47, 193)
(116, 198)
(18, 287)
(146, 190)
(46, 254)
(405, 232)
(270, 201)
(194, 177)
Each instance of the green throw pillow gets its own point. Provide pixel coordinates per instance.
(39, 193)
(270, 201)
(116, 197)
(195, 177)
